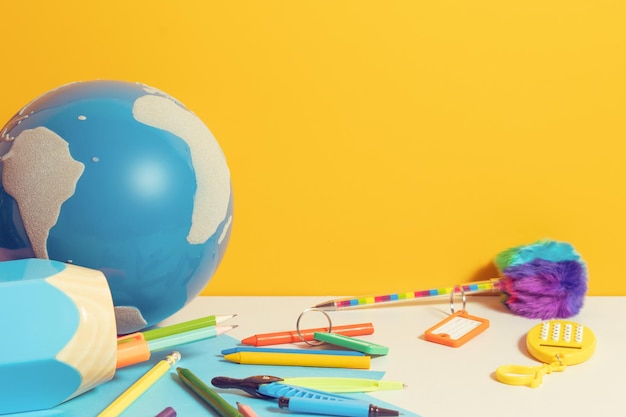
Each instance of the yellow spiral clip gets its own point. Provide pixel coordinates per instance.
(527, 375)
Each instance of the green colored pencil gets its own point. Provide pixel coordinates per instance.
(185, 326)
(207, 394)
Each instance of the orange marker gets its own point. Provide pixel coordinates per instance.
(292, 336)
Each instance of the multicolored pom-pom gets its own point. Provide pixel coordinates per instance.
(544, 280)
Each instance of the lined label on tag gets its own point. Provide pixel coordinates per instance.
(457, 329)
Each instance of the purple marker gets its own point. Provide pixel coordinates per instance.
(167, 412)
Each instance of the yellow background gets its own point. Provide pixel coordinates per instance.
(374, 146)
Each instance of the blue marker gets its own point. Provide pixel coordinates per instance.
(330, 407)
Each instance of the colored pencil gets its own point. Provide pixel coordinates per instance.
(186, 326)
(132, 349)
(207, 394)
(246, 410)
(122, 402)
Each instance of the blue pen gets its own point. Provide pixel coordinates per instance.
(330, 407)
(302, 351)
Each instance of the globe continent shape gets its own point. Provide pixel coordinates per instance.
(119, 177)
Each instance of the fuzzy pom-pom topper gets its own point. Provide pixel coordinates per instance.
(543, 280)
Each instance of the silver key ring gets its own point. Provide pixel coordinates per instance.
(463, 297)
(308, 310)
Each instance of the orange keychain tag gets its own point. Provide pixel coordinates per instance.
(457, 329)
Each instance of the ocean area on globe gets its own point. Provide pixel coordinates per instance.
(119, 177)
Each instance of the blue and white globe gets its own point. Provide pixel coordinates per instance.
(119, 177)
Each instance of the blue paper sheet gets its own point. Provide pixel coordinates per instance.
(205, 360)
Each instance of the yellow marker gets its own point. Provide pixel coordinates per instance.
(300, 359)
(133, 392)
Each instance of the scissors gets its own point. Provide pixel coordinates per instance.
(250, 385)
(268, 386)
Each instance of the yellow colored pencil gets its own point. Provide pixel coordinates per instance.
(133, 392)
(300, 359)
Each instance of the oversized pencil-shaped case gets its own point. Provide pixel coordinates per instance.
(58, 333)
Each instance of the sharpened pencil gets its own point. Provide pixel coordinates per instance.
(186, 326)
(246, 410)
(208, 395)
(133, 392)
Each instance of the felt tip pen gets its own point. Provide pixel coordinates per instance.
(208, 395)
(337, 384)
(292, 336)
(300, 359)
(346, 408)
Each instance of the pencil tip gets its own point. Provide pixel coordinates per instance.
(328, 305)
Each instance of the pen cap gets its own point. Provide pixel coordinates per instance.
(132, 349)
(58, 333)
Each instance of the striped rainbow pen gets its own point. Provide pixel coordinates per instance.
(492, 285)
(545, 267)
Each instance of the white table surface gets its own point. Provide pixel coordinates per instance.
(445, 381)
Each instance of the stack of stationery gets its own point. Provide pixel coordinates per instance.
(292, 393)
(292, 398)
(138, 347)
(201, 358)
(357, 356)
